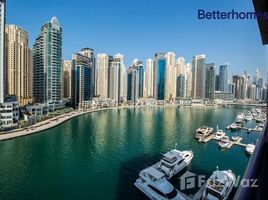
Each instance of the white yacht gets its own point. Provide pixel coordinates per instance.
(155, 186)
(233, 127)
(203, 132)
(225, 141)
(248, 117)
(219, 134)
(173, 162)
(240, 116)
(235, 138)
(219, 185)
(250, 148)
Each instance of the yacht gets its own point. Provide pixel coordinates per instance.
(219, 134)
(250, 148)
(203, 132)
(240, 116)
(155, 186)
(173, 162)
(248, 117)
(235, 138)
(233, 127)
(219, 185)
(225, 141)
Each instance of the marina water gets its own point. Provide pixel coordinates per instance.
(99, 155)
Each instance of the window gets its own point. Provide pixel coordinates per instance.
(172, 194)
(157, 191)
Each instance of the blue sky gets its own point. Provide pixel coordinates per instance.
(139, 28)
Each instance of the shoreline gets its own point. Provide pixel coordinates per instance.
(56, 121)
(49, 124)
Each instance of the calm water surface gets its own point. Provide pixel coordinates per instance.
(99, 155)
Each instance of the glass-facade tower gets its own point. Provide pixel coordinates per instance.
(159, 76)
(47, 62)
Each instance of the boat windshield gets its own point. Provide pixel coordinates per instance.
(169, 160)
(213, 193)
(172, 194)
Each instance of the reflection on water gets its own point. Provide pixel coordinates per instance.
(99, 155)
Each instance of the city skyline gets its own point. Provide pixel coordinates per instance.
(236, 48)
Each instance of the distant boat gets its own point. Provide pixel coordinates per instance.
(250, 148)
(224, 142)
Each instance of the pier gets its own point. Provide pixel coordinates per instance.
(244, 128)
(212, 137)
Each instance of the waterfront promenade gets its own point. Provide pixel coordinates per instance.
(47, 124)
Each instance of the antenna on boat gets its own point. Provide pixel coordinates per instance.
(176, 144)
(217, 127)
(217, 168)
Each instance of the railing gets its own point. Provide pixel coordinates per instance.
(257, 169)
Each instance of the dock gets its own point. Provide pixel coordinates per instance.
(244, 128)
(211, 137)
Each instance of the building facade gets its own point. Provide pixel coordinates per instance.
(67, 79)
(170, 79)
(2, 50)
(47, 63)
(18, 64)
(114, 80)
(149, 79)
(223, 78)
(132, 84)
(210, 80)
(81, 79)
(159, 76)
(103, 63)
(198, 77)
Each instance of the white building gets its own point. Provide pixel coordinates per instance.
(170, 79)
(2, 50)
(103, 61)
(149, 79)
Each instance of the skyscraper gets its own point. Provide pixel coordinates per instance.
(223, 78)
(18, 64)
(123, 75)
(89, 52)
(2, 50)
(114, 80)
(47, 58)
(67, 79)
(210, 80)
(139, 66)
(149, 79)
(81, 79)
(159, 76)
(132, 84)
(217, 82)
(188, 77)
(181, 86)
(170, 79)
(103, 63)
(198, 76)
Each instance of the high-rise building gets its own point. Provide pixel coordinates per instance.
(89, 52)
(47, 63)
(170, 79)
(217, 82)
(123, 75)
(67, 79)
(139, 66)
(2, 50)
(114, 80)
(240, 87)
(181, 86)
(18, 64)
(223, 78)
(210, 80)
(198, 76)
(252, 92)
(159, 76)
(149, 79)
(103, 63)
(132, 84)
(188, 78)
(81, 79)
